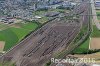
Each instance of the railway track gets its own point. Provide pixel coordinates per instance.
(43, 42)
(39, 47)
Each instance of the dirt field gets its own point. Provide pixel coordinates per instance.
(2, 44)
(95, 43)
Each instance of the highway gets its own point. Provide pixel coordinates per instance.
(95, 20)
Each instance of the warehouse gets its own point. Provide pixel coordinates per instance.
(97, 4)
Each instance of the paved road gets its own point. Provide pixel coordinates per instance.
(95, 20)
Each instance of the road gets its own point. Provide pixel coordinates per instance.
(95, 20)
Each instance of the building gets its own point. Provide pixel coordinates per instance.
(67, 4)
(97, 4)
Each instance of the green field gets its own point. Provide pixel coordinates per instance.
(7, 63)
(96, 32)
(43, 20)
(83, 47)
(30, 26)
(13, 35)
(40, 12)
(9, 37)
(3, 26)
(98, 15)
(20, 33)
(60, 10)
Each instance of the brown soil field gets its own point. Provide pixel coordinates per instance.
(2, 44)
(95, 43)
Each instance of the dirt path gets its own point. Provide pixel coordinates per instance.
(2, 44)
(96, 56)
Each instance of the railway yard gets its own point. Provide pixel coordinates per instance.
(43, 42)
(55, 36)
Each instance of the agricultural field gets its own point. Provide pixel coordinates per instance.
(98, 14)
(3, 26)
(83, 47)
(8, 64)
(96, 32)
(2, 44)
(92, 42)
(12, 35)
(43, 20)
(95, 39)
(95, 43)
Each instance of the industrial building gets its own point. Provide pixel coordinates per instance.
(97, 4)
